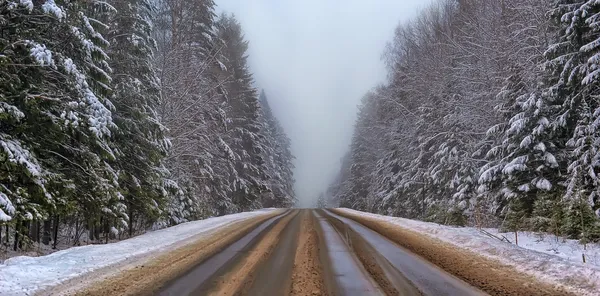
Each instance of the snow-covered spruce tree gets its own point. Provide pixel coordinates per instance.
(522, 58)
(399, 149)
(497, 147)
(140, 141)
(549, 144)
(470, 91)
(355, 188)
(534, 153)
(245, 134)
(574, 66)
(355, 191)
(268, 198)
(56, 121)
(435, 135)
(278, 159)
(547, 215)
(284, 160)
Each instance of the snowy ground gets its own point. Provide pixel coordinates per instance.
(25, 275)
(557, 246)
(543, 256)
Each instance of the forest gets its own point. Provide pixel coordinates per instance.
(121, 116)
(489, 117)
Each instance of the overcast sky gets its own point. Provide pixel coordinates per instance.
(316, 59)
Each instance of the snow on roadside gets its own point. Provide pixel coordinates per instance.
(533, 256)
(545, 243)
(25, 275)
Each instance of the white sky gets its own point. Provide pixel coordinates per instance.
(316, 59)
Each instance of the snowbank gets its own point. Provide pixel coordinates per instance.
(26, 275)
(544, 257)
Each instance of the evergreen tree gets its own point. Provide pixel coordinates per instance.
(245, 136)
(355, 193)
(278, 158)
(473, 135)
(140, 140)
(109, 123)
(56, 120)
(573, 62)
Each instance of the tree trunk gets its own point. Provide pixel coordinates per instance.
(97, 229)
(423, 202)
(46, 232)
(90, 231)
(106, 231)
(25, 228)
(55, 236)
(38, 233)
(34, 231)
(76, 236)
(130, 222)
(16, 244)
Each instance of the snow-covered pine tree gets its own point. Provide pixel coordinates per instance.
(56, 121)
(284, 159)
(140, 140)
(245, 129)
(356, 191)
(549, 143)
(285, 163)
(278, 159)
(269, 198)
(530, 167)
(574, 66)
(522, 58)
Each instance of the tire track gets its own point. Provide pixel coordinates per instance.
(201, 278)
(486, 274)
(344, 274)
(274, 276)
(389, 279)
(424, 276)
(240, 278)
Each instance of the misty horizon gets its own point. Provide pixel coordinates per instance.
(315, 61)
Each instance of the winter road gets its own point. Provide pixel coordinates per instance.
(317, 252)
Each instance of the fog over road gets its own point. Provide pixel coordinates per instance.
(316, 61)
